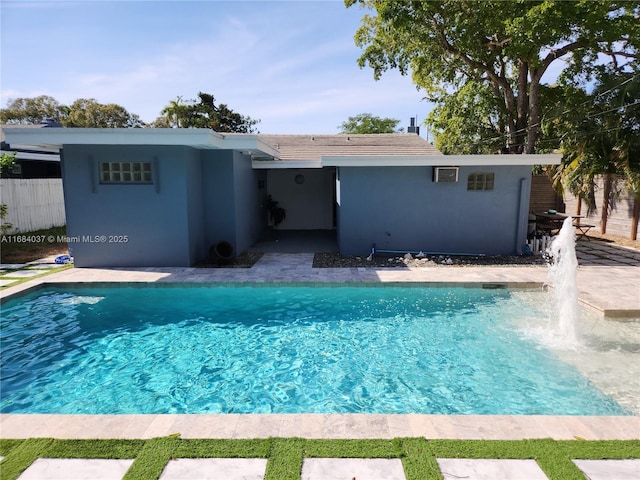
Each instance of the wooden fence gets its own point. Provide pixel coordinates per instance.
(543, 196)
(33, 203)
(619, 220)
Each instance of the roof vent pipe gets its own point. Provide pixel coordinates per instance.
(412, 126)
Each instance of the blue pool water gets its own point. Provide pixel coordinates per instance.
(279, 349)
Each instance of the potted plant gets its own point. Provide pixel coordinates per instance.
(277, 214)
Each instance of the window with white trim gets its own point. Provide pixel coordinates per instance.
(480, 181)
(125, 172)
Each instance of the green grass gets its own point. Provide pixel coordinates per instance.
(286, 455)
(12, 251)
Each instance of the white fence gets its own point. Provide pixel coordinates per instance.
(33, 203)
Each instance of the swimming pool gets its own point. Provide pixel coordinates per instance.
(283, 349)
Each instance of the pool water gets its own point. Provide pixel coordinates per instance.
(283, 349)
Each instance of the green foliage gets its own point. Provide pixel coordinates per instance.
(85, 113)
(204, 113)
(32, 111)
(4, 227)
(505, 46)
(367, 123)
(469, 121)
(602, 137)
(6, 162)
(88, 113)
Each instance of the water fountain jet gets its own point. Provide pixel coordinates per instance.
(562, 277)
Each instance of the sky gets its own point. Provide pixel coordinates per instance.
(291, 64)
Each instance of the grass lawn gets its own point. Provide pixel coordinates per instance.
(285, 455)
(27, 247)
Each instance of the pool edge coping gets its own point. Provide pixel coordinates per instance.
(320, 426)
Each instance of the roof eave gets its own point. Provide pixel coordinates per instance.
(57, 137)
(439, 160)
(252, 144)
(278, 164)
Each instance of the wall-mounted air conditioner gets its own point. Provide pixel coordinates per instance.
(445, 174)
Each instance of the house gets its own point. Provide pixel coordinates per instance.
(163, 197)
(32, 161)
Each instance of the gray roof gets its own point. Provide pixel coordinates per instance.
(313, 147)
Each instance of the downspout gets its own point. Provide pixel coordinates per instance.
(523, 216)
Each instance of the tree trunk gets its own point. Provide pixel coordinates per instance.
(512, 128)
(534, 110)
(635, 218)
(522, 106)
(608, 181)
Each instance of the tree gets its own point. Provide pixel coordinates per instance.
(367, 123)
(505, 46)
(603, 140)
(32, 111)
(468, 121)
(173, 112)
(88, 113)
(204, 113)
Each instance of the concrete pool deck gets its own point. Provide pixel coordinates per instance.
(612, 287)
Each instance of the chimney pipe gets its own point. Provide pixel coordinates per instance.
(412, 126)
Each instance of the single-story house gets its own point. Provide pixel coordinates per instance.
(32, 161)
(163, 197)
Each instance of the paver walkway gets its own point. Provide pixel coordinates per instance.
(321, 469)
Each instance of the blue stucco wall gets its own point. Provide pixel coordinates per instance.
(231, 199)
(218, 197)
(195, 207)
(401, 208)
(156, 220)
(198, 198)
(250, 202)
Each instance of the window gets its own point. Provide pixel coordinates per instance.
(125, 172)
(480, 181)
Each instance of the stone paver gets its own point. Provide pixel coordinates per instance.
(6, 282)
(24, 273)
(321, 469)
(12, 266)
(329, 426)
(215, 469)
(76, 469)
(610, 469)
(44, 266)
(349, 468)
(490, 469)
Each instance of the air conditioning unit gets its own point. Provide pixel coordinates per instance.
(445, 174)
